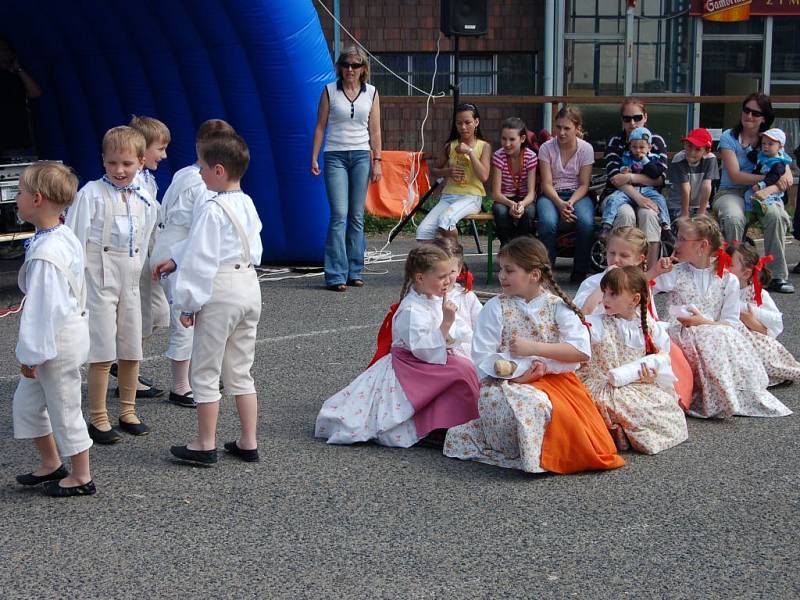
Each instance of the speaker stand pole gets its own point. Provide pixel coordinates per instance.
(456, 81)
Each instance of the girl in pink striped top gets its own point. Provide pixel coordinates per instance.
(513, 182)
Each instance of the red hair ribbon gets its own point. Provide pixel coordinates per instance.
(384, 336)
(724, 262)
(756, 281)
(466, 279)
(649, 345)
(650, 308)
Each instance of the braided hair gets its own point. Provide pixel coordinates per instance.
(632, 279)
(529, 254)
(421, 259)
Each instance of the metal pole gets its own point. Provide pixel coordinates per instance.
(766, 67)
(629, 25)
(337, 36)
(549, 24)
(456, 81)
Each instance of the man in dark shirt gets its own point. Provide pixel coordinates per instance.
(16, 86)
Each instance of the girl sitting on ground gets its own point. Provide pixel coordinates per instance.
(421, 385)
(643, 414)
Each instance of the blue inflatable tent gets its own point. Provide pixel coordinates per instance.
(259, 64)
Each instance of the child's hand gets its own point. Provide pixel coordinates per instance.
(749, 319)
(165, 268)
(449, 310)
(663, 265)
(536, 371)
(28, 372)
(314, 167)
(647, 375)
(187, 320)
(521, 346)
(696, 319)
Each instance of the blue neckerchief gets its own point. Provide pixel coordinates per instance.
(134, 189)
(40, 233)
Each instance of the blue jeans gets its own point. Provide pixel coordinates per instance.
(549, 218)
(346, 179)
(616, 199)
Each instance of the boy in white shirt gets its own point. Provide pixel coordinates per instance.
(53, 336)
(183, 197)
(217, 291)
(113, 218)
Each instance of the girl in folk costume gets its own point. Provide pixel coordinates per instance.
(703, 301)
(460, 293)
(627, 246)
(535, 415)
(420, 385)
(761, 321)
(644, 413)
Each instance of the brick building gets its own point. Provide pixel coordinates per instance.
(403, 35)
(694, 71)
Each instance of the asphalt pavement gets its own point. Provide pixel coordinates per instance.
(716, 517)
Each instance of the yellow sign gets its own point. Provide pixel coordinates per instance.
(728, 11)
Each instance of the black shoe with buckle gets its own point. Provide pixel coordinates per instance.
(54, 490)
(185, 400)
(111, 436)
(197, 457)
(245, 455)
(134, 428)
(780, 286)
(31, 479)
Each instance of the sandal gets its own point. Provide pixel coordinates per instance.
(356, 282)
(338, 287)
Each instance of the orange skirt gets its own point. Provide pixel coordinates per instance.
(576, 438)
(683, 371)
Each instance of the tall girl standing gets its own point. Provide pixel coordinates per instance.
(703, 301)
(464, 162)
(421, 385)
(537, 416)
(565, 169)
(349, 109)
(514, 182)
(643, 414)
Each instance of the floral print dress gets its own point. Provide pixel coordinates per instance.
(640, 415)
(727, 381)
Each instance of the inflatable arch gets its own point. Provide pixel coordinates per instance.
(259, 64)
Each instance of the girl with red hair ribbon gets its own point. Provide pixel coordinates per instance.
(761, 321)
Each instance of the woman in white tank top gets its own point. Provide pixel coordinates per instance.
(349, 113)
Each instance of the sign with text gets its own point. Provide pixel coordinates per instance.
(741, 10)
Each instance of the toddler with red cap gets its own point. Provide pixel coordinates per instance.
(771, 161)
(691, 173)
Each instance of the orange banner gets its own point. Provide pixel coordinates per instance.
(728, 11)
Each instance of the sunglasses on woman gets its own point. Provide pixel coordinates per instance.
(749, 111)
(353, 66)
(629, 118)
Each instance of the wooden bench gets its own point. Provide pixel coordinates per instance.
(487, 218)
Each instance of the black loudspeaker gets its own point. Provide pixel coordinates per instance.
(465, 17)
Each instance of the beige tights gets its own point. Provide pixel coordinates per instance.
(128, 376)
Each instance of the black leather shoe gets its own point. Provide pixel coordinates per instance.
(151, 392)
(134, 428)
(54, 490)
(111, 436)
(780, 286)
(185, 400)
(197, 457)
(31, 479)
(245, 455)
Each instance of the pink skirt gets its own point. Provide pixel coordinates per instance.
(443, 396)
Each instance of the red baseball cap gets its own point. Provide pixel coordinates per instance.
(700, 137)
